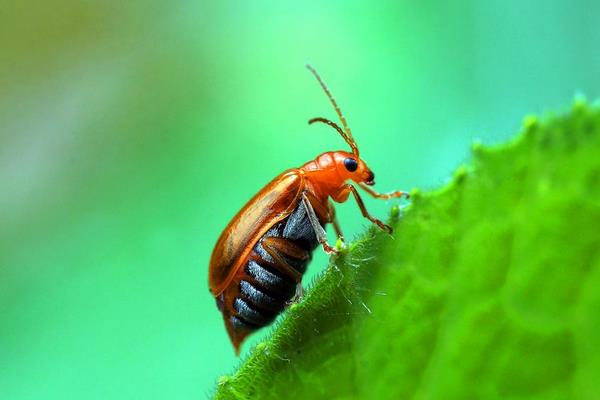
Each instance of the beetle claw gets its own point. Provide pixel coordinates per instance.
(384, 227)
(328, 249)
(399, 194)
(405, 194)
(297, 296)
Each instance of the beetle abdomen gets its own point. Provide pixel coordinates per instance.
(268, 281)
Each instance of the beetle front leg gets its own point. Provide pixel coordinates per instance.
(351, 189)
(335, 222)
(384, 196)
(325, 213)
(319, 231)
(298, 295)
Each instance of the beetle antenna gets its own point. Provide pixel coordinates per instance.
(338, 129)
(331, 124)
(347, 135)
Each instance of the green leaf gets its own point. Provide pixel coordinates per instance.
(489, 287)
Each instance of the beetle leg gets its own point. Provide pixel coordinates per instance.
(274, 248)
(384, 196)
(326, 213)
(364, 211)
(319, 231)
(322, 211)
(335, 222)
(287, 248)
(299, 291)
(297, 296)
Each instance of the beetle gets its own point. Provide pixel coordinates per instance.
(258, 262)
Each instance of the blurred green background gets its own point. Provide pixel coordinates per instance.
(131, 132)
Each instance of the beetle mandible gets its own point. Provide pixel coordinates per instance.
(257, 264)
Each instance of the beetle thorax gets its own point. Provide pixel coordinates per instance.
(323, 173)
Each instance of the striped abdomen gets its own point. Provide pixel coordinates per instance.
(268, 280)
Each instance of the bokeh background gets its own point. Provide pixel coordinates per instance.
(131, 132)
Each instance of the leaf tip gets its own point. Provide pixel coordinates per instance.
(477, 147)
(579, 102)
(530, 122)
(416, 194)
(460, 174)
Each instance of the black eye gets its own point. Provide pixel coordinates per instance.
(350, 164)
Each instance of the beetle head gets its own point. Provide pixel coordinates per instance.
(351, 167)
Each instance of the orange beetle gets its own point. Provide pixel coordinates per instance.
(257, 264)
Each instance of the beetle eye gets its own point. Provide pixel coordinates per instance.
(350, 164)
